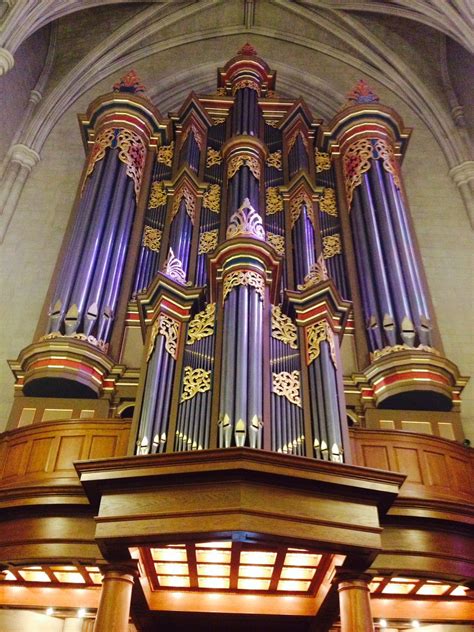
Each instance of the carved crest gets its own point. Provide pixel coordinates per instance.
(246, 222)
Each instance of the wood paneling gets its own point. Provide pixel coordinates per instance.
(45, 452)
(436, 469)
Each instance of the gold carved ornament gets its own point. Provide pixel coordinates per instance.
(189, 203)
(327, 203)
(278, 242)
(245, 222)
(195, 381)
(287, 385)
(317, 274)
(244, 277)
(169, 328)
(212, 198)
(218, 120)
(165, 154)
(356, 162)
(315, 335)
(202, 325)
(246, 83)
(293, 138)
(283, 328)
(274, 160)
(208, 241)
(213, 157)
(221, 92)
(273, 201)
(131, 148)
(323, 161)
(152, 238)
(196, 132)
(173, 268)
(242, 160)
(380, 353)
(296, 205)
(100, 344)
(158, 195)
(332, 246)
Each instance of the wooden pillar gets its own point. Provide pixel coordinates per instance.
(114, 605)
(354, 603)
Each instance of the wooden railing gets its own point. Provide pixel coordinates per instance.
(44, 453)
(436, 469)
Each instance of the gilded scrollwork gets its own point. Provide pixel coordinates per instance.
(195, 381)
(273, 201)
(214, 157)
(202, 325)
(317, 274)
(294, 136)
(283, 328)
(173, 268)
(332, 246)
(274, 160)
(244, 277)
(327, 203)
(158, 195)
(278, 242)
(323, 161)
(100, 344)
(165, 154)
(287, 385)
(152, 238)
(272, 122)
(315, 335)
(169, 328)
(217, 120)
(356, 162)
(296, 205)
(212, 198)
(246, 83)
(245, 222)
(380, 353)
(131, 152)
(189, 202)
(208, 241)
(243, 160)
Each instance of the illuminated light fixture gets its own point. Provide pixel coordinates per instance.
(81, 613)
(253, 584)
(383, 623)
(433, 589)
(214, 570)
(460, 591)
(96, 578)
(255, 558)
(226, 544)
(213, 582)
(213, 557)
(49, 612)
(169, 555)
(173, 581)
(415, 623)
(9, 576)
(292, 585)
(302, 559)
(33, 575)
(92, 569)
(70, 578)
(297, 573)
(171, 568)
(256, 571)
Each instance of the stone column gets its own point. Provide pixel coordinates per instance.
(354, 604)
(114, 605)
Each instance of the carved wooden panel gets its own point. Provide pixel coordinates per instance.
(44, 452)
(436, 468)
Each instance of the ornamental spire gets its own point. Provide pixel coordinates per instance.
(248, 50)
(129, 83)
(362, 93)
